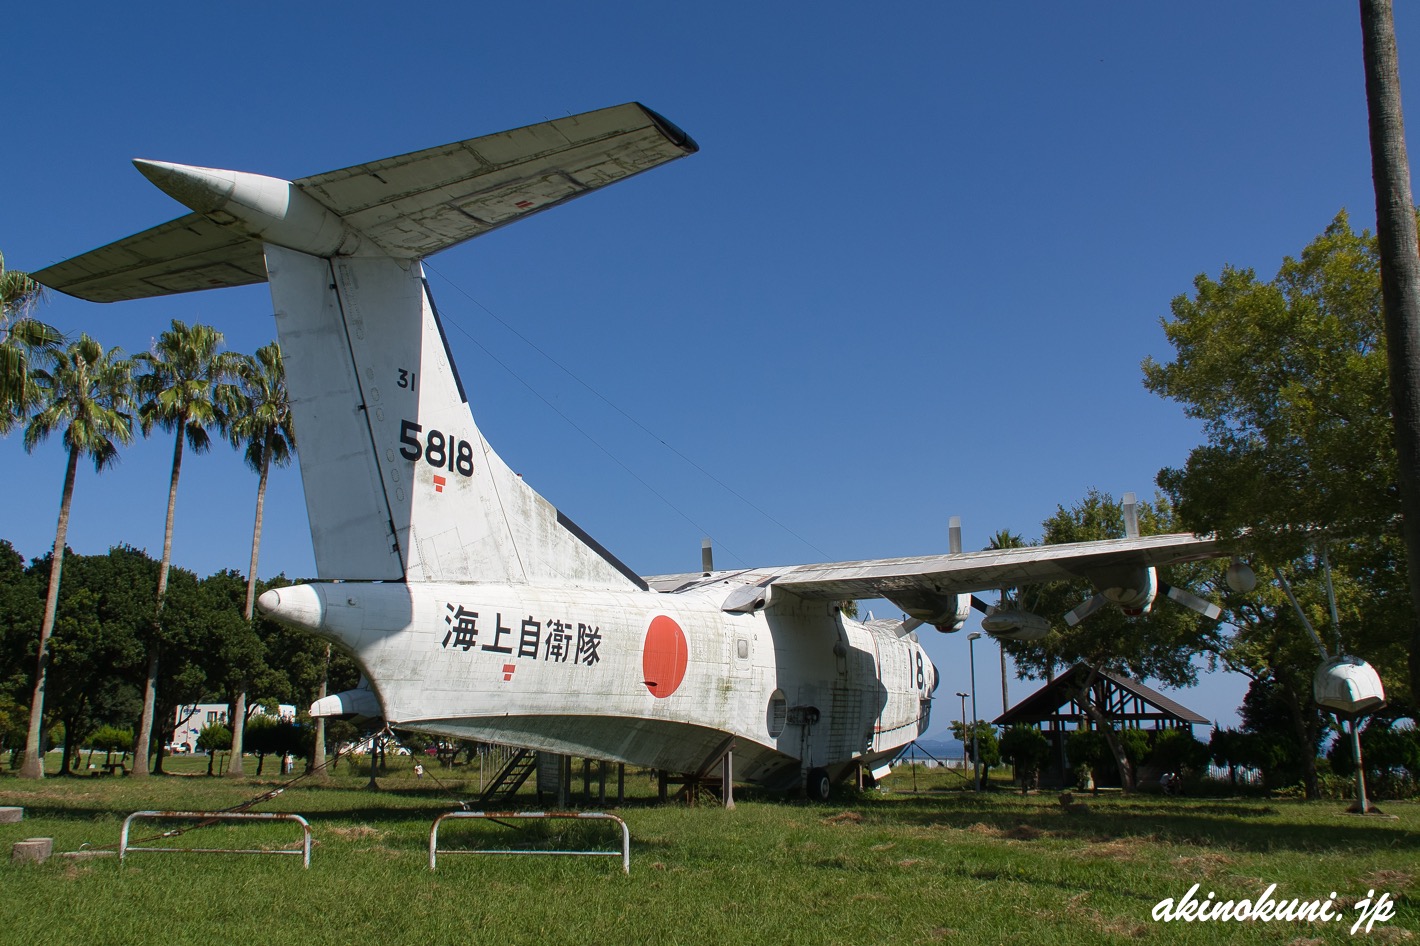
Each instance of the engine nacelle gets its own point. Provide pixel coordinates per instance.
(1015, 625)
(947, 613)
(1136, 596)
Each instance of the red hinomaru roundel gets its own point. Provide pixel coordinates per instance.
(663, 657)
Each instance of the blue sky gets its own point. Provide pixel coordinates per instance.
(910, 275)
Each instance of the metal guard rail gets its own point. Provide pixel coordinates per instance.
(305, 852)
(530, 815)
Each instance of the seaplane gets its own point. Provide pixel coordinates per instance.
(474, 607)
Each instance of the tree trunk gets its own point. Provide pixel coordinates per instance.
(142, 741)
(239, 716)
(1296, 708)
(1400, 276)
(1086, 698)
(67, 758)
(33, 766)
(318, 749)
(1005, 699)
(150, 689)
(239, 726)
(165, 710)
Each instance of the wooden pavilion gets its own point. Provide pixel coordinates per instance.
(1129, 704)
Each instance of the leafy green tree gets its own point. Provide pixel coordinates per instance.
(262, 422)
(1136, 747)
(988, 749)
(1027, 749)
(214, 738)
(1290, 380)
(96, 647)
(236, 660)
(21, 609)
(14, 722)
(1281, 735)
(86, 391)
(1225, 748)
(111, 739)
(22, 338)
(279, 737)
(1391, 754)
(1086, 749)
(1177, 750)
(183, 386)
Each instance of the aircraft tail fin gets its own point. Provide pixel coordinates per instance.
(399, 480)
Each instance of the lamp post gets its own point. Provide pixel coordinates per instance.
(963, 728)
(975, 756)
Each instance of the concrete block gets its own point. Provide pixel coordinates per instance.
(9, 815)
(32, 850)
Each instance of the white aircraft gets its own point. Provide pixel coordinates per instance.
(475, 608)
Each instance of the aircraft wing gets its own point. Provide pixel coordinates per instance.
(409, 206)
(927, 585)
(982, 571)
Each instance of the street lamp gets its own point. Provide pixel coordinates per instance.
(975, 756)
(963, 728)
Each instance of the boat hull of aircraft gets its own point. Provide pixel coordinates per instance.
(660, 680)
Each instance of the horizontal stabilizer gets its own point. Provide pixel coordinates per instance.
(182, 255)
(408, 207)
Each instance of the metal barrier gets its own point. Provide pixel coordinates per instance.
(532, 815)
(124, 848)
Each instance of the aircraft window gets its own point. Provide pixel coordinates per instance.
(742, 648)
(778, 713)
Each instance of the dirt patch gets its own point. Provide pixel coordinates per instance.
(1023, 832)
(1113, 850)
(1392, 881)
(845, 817)
(1202, 863)
(359, 832)
(1082, 912)
(985, 830)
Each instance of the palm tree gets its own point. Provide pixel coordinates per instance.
(21, 338)
(182, 388)
(86, 391)
(261, 419)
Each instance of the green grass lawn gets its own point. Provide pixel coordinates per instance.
(877, 867)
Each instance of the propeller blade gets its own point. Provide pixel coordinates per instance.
(1085, 609)
(1194, 603)
(1131, 516)
(980, 605)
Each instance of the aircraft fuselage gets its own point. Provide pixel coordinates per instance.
(654, 679)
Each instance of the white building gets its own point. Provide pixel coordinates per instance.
(192, 718)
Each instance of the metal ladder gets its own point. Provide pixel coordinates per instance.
(511, 777)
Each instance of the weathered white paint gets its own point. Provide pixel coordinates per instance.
(870, 686)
